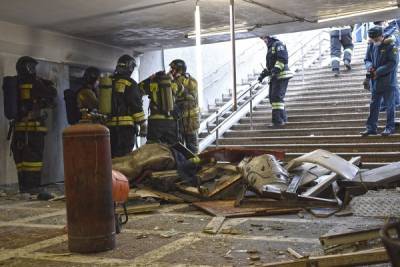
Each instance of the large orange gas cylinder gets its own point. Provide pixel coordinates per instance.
(88, 188)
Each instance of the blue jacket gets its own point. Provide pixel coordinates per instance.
(384, 59)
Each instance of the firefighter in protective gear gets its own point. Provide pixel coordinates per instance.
(34, 94)
(87, 99)
(126, 108)
(278, 70)
(381, 61)
(162, 121)
(188, 103)
(341, 37)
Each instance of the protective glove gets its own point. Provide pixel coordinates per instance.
(263, 74)
(143, 130)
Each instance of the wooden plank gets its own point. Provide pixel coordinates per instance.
(144, 192)
(286, 203)
(326, 180)
(214, 225)
(349, 237)
(230, 180)
(142, 208)
(294, 253)
(226, 208)
(337, 260)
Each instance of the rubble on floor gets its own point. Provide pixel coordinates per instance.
(241, 182)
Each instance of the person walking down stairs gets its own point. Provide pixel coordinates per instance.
(278, 70)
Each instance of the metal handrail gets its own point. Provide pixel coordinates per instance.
(228, 106)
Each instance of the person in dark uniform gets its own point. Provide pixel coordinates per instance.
(381, 61)
(188, 103)
(87, 96)
(278, 70)
(34, 94)
(162, 121)
(341, 37)
(127, 108)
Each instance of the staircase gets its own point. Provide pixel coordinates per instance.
(324, 112)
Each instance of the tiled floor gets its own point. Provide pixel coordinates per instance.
(32, 234)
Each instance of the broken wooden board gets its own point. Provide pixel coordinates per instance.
(350, 237)
(190, 190)
(324, 181)
(372, 256)
(214, 225)
(226, 208)
(144, 192)
(163, 180)
(141, 208)
(328, 160)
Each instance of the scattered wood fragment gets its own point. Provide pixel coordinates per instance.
(214, 225)
(142, 208)
(372, 256)
(294, 253)
(143, 192)
(57, 198)
(349, 237)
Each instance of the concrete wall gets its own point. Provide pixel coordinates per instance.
(56, 52)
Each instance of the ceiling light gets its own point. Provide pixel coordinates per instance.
(350, 15)
(220, 31)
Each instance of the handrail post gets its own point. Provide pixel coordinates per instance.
(320, 50)
(251, 108)
(216, 130)
(302, 64)
(233, 43)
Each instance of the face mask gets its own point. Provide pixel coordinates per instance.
(377, 43)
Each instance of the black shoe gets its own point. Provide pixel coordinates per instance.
(336, 72)
(386, 132)
(347, 65)
(367, 132)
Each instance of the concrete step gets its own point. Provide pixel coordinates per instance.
(315, 111)
(295, 132)
(301, 140)
(338, 84)
(311, 125)
(317, 97)
(318, 104)
(332, 91)
(316, 117)
(334, 148)
(328, 80)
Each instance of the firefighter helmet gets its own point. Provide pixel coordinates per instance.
(178, 65)
(26, 66)
(91, 75)
(126, 64)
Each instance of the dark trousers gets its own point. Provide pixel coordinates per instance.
(339, 39)
(191, 142)
(389, 101)
(27, 148)
(277, 92)
(122, 140)
(162, 131)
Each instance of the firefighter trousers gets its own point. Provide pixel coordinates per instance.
(339, 39)
(191, 142)
(277, 92)
(27, 148)
(123, 139)
(162, 131)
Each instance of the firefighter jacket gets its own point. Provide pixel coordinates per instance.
(87, 99)
(126, 102)
(187, 102)
(162, 93)
(34, 94)
(383, 59)
(277, 61)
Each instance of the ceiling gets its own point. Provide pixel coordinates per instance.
(144, 25)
